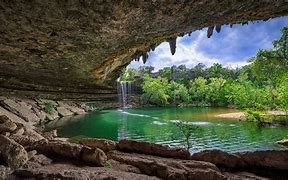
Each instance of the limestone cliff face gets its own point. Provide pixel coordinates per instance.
(76, 48)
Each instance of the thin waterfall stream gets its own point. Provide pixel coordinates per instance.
(125, 91)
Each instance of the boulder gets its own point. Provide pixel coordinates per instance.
(53, 115)
(69, 150)
(13, 153)
(66, 149)
(123, 167)
(5, 172)
(50, 135)
(6, 125)
(219, 158)
(168, 168)
(21, 109)
(104, 144)
(14, 118)
(153, 149)
(72, 107)
(94, 156)
(19, 131)
(69, 171)
(40, 159)
(283, 142)
(277, 160)
(63, 111)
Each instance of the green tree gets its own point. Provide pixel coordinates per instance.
(270, 65)
(198, 90)
(179, 93)
(156, 91)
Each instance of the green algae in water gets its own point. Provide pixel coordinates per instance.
(157, 125)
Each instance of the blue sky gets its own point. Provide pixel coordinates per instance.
(232, 47)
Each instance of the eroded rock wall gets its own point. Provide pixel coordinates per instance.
(76, 48)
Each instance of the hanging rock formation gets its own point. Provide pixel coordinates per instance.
(77, 48)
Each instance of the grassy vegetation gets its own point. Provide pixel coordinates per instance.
(48, 107)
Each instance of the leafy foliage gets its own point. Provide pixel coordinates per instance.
(108, 164)
(261, 85)
(48, 107)
(187, 131)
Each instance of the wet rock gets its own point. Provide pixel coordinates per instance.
(63, 111)
(153, 149)
(219, 158)
(277, 160)
(13, 153)
(167, 168)
(6, 125)
(104, 144)
(283, 142)
(94, 156)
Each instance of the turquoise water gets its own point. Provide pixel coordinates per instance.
(157, 125)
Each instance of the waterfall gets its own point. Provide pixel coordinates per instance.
(124, 93)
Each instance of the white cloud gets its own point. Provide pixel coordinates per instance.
(186, 53)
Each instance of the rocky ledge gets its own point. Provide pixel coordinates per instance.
(28, 152)
(77, 48)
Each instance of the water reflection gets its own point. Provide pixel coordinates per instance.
(157, 125)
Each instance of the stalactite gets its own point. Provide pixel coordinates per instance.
(153, 47)
(172, 43)
(244, 23)
(218, 28)
(144, 57)
(210, 31)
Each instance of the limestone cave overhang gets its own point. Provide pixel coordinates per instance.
(76, 49)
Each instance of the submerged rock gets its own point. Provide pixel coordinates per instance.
(153, 149)
(283, 142)
(13, 153)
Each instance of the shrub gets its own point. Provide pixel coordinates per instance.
(48, 107)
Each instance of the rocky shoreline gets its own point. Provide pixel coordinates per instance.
(28, 152)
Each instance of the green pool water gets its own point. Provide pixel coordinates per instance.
(157, 125)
